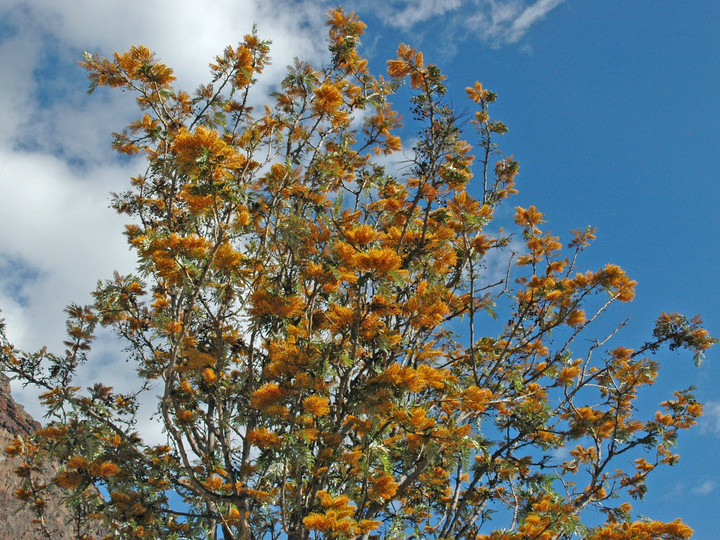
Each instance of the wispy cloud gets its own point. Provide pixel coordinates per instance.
(498, 22)
(529, 16)
(507, 21)
(710, 421)
(401, 14)
(708, 486)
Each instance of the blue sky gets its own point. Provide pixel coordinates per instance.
(613, 112)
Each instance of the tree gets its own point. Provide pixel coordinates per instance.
(321, 331)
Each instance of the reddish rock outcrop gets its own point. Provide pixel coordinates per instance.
(16, 524)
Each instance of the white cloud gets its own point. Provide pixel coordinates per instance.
(507, 21)
(708, 486)
(674, 491)
(710, 421)
(61, 236)
(17, 59)
(561, 454)
(529, 16)
(186, 34)
(407, 15)
(499, 22)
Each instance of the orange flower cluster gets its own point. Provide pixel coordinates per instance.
(268, 303)
(345, 31)
(381, 261)
(476, 399)
(408, 62)
(643, 530)
(416, 380)
(316, 405)
(336, 518)
(328, 99)
(205, 146)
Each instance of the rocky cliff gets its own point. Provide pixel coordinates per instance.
(16, 524)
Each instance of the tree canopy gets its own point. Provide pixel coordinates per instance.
(333, 350)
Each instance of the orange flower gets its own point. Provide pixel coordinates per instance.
(341, 316)
(369, 525)
(361, 235)
(105, 469)
(243, 216)
(398, 68)
(476, 399)
(477, 93)
(267, 395)
(215, 482)
(528, 218)
(244, 67)
(575, 318)
(52, 432)
(233, 516)
(383, 487)
(408, 60)
(68, 479)
(226, 258)
(174, 327)
(77, 462)
(568, 374)
(184, 415)
(316, 405)
(15, 448)
(209, 375)
(262, 438)
(196, 203)
(315, 521)
(267, 303)
(190, 146)
(328, 99)
(381, 261)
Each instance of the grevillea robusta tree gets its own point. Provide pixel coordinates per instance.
(326, 338)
